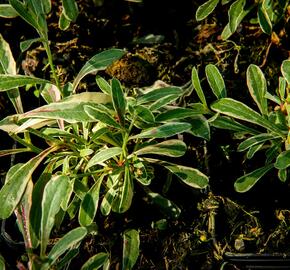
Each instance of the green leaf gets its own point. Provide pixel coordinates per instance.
(190, 176)
(247, 181)
(104, 85)
(119, 101)
(89, 204)
(283, 160)
(176, 113)
(144, 114)
(131, 243)
(25, 13)
(235, 12)
(196, 84)
(70, 109)
(63, 22)
(96, 113)
(224, 122)
(285, 69)
(283, 175)
(160, 103)
(103, 155)
(253, 150)
(46, 4)
(200, 127)
(124, 193)
(241, 111)
(205, 9)
(160, 93)
(8, 82)
(14, 187)
(282, 82)
(7, 11)
(98, 62)
(53, 194)
(227, 31)
(257, 139)
(2, 263)
(70, 9)
(258, 87)
(215, 81)
(26, 44)
(264, 19)
(67, 242)
(170, 148)
(166, 206)
(106, 204)
(96, 261)
(166, 130)
(8, 66)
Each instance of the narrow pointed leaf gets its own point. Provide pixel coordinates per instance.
(131, 243)
(258, 87)
(215, 81)
(224, 122)
(53, 194)
(103, 155)
(247, 181)
(144, 114)
(177, 114)
(205, 9)
(241, 111)
(170, 148)
(283, 160)
(253, 150)
(70, 109)
(7, 11)
(98, 62)
(12, 191)
(160, 93)
(119, 101)
(196, 84)
(166, 130)
(8, 82)
(264, 19)
(227, 31)
(190, 176)
(236, 10)
(282, 81)
(124, 195)
(96, 261)
(102, 116)
(160, 103)
(89, 204)
(104, 85)
(70, 9)
(27, 15)
(8, 66)
(257, 139)
(106, 204)
(68, 241)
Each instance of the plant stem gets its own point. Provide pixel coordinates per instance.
(27, 144)
(50, 61)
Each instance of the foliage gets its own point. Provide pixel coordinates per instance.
(269, 13)
(262, 130)
(96, 147)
